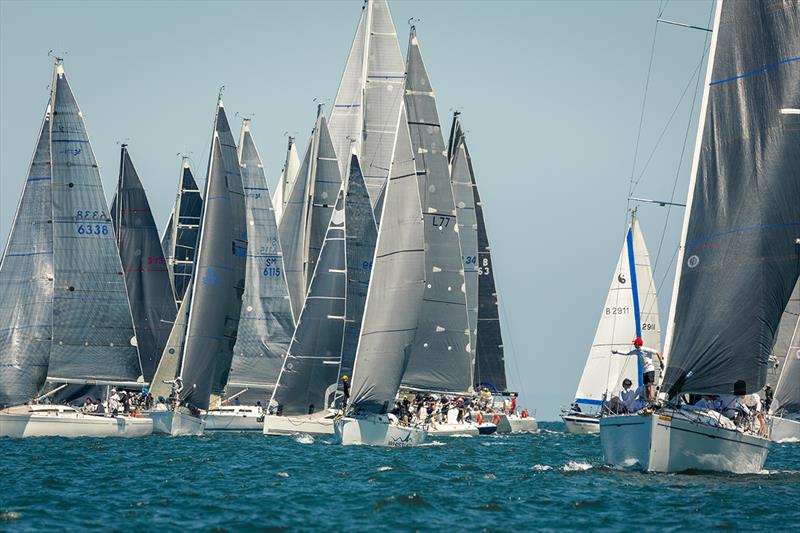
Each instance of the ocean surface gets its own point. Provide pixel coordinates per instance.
(549, 480)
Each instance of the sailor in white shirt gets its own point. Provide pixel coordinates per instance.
(631, 397)
(645, 356)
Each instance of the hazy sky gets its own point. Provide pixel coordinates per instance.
(551, 95)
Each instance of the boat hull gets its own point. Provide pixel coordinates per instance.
(22, 423)
(503, 424)
(523, 425)
(377, 430)
(176, 423)
(453, 430)
(785, 430)
(674, 442)
(581, 424)
(234, 421)
(294, 425)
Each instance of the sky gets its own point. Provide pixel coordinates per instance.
(559, 108)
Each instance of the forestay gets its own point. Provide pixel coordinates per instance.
(743, 214)
(440, 359)
(26, 283)
(395, 291)
(266, 323)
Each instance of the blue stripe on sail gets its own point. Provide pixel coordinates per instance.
(741, 230)
(29, 254)
(256, 189)
(635, 288)
(38, 179)
(68, 141)
(347, 105)
(757, 71)
(588, 401)
(387, 77)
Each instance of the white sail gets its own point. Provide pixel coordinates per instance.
(630, 311)
(286, 181)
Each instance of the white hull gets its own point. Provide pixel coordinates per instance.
(451, 430)
(577, 423)
(176, 423)
(249, 418)
(674, 441)
(377, 430)
(785, 430)
(293, 425)
(523, 425)
(503, 425)
(63, 421)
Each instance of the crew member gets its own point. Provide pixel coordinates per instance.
(645, 356)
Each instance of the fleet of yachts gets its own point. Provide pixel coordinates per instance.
(359, 301)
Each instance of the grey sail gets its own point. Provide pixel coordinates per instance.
(783, 337)
(368, 101)
(93, 336)
(180, 238)
(146, 275)
(440, 359)
(26, 284)
(464, 198)
(362, 235)
(310, 372)
(170, 362)
(787, 390)
(308, 211)
(286, 181)
(394, 297)
(266, 323)
(218, 281)
(740, 253)
(456, 134)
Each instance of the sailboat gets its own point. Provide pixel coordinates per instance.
(325, 341)
(66, 318)
(146, 276)
(308, 211)
(630, 311)
(785, 408)
(266, 323)
(739, 255)
(364, 116)
(287, 179)
(391, 312)
(194, 367)
(179, 241)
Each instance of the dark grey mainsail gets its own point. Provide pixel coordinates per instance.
(26, 284)
(787, 390)
(440, 359)
(308, 211)
(394, 297)
(362, 235)
(180, 238)
(266, 323)
(146, 275)
(740, 254)
(218, 281)
(93, 332)
(310, 372)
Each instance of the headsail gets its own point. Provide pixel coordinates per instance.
(218, 282)
(266, 324)
(630, 311)
(395, 291)
(740, 248)
(440, 359)
(287, 179)
(310, 370)
(93, 336)
(26, 283)
(368, 101)
(146, 275)
(787, 391)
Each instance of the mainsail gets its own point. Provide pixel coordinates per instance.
(146, 276)
(362, 235)
(180, 238)
(266, 324)
(308, 211)
(368, 101)
(787, 391)
(630, 311)
(395, 291)
(287, 179)
(739, 257)
(26, 283)
(307, 381)
(93, 336)
(218, 281)
(440, 359)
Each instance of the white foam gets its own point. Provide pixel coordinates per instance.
(572, 466)
(434, 443)
(282, 474)
(541, 468)
(384, 468)
(304, 439)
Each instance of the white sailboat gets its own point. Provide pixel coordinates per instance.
(391, 312)
(630, 311)
(785, 408)
(738, 256)
(64, 307)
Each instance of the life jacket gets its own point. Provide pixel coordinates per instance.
(496, 419)
(479, 418)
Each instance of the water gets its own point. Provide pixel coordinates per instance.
(232, 482)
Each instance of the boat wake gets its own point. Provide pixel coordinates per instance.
(304, 439)
(541, 468)
(573, 466)
(384, 468)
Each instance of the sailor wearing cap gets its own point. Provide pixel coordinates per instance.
(645, 356)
